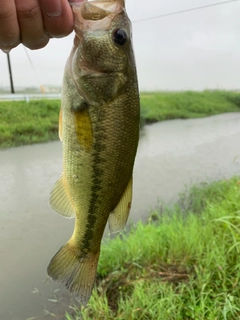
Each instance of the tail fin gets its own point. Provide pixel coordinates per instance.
(76, 273)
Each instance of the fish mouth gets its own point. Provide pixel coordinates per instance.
(99, 73)
(95, 14)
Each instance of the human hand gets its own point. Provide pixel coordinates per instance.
(33, 22)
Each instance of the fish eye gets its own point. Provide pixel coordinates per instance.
(120, 37)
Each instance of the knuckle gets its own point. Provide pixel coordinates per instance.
(24, 12)
(9, 28)
(6, 14)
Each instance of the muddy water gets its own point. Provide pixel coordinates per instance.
(171, 154)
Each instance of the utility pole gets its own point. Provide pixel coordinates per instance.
(10, 73)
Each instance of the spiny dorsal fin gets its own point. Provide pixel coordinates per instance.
(59, 200)
(118, 217)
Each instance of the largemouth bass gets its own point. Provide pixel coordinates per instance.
(99, 129)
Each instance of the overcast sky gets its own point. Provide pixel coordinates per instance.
(194, 50)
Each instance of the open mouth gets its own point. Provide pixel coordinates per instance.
(98, 10)
(95, 14)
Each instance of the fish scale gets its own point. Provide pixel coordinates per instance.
(99, 129)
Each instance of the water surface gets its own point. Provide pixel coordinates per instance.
(171, 155)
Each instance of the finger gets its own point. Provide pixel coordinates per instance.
(9, 29)
(31, 25)
(58, 17)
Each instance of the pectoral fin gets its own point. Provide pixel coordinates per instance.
(118, 217)
(59, 200)
(84, 130)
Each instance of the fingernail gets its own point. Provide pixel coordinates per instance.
(52, 8)
(6, 50)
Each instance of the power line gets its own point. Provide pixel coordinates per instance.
(186, 10)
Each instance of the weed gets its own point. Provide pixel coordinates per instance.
(37, 121)
(184, 265)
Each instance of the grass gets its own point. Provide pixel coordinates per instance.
(161, 106)
(27, 123)
(37, 121)
(183, 264)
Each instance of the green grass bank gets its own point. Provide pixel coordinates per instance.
(37, 121)
(27, 123)
(183, 264)
(161, 106)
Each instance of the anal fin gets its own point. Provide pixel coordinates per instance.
(119, 216)
(59, 200)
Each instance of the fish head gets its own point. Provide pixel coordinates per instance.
(102, 59)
